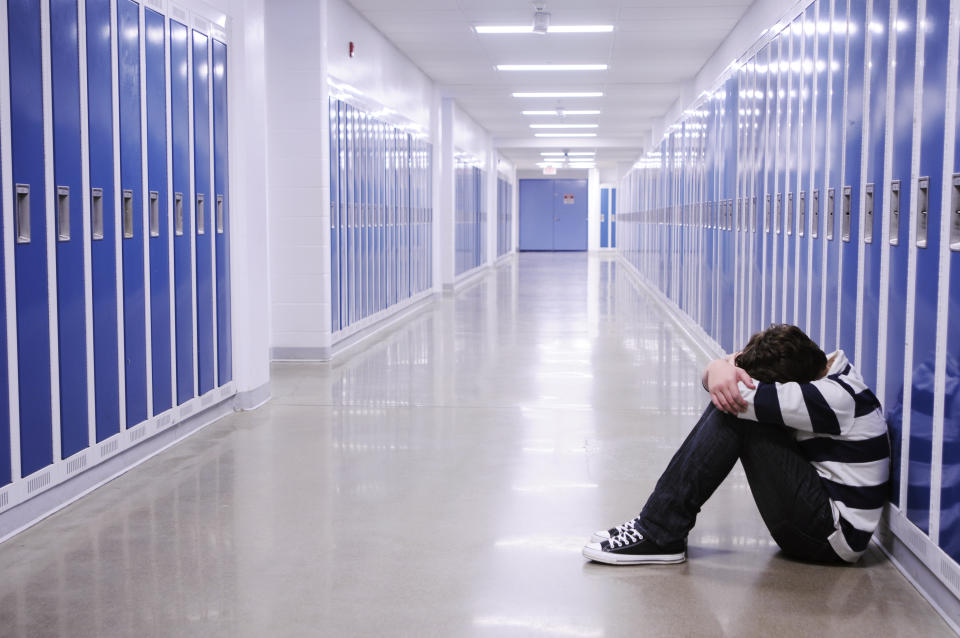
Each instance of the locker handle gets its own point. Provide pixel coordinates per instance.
(895, 212)
(23, 213)
(778, 217)
(790, 214)
(845, 222)
(220, 215)
(831, 211)
(178, 213)
(201, 225)
(868, 214)
(154, 214)
(766, 214)
(63, 213)
(955, 213)
(802, 215)
(923, 204)
(753, 214)
(815, 216)
(127, 213)
(96, 213)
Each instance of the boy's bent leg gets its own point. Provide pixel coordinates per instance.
(694, 473)
(788, 492)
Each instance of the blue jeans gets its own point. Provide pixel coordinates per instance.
(786, 487)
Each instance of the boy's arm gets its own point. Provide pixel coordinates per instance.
(820, 406)
(721, 379)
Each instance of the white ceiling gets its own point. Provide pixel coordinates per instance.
(656, 47)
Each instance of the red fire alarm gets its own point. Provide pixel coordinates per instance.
(353, 50)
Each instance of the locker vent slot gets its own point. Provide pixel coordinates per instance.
(137, 434)
(109, 448)
(815, 216)
(868, 214)
(178, 213)
(845, 222)
(766, 215)
(154, 214)
(164, 421)
(778, 217)
(923, 205)
(802, 214)
(201, 229)
(76, 464)
(23, 213)
(4, 499)
(955, 213)
(38, 482)
(127, 213)
(950, 574)
(220, 214)
(789, 213)
(831, 211)
(895, 212)
(63, 213)
(96, 212)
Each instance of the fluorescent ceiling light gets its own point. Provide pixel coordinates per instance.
(572, 154)
(564, 125)
(560, 94)
(551, 67)
(561, 112)
(565, 135)
(526, 28)
(550, 153)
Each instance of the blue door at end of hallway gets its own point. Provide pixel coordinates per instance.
(553, 214)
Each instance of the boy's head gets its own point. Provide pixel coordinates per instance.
(782, 353)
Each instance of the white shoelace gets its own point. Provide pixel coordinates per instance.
(629, 525)
(626, 537)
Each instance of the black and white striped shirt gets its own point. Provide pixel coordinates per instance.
(842, 432)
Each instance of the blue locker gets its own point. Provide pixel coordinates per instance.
(782, 175)
(604, 214)
(335, 169)
(731, 110)
(182, 210)
(901, 195)
(71, 302)
(831, 200)
(758, 203)
(103, 253)
(30, 250)
(768, 204)
(158, 205)
(850, 197)
(611, 216)
(791, 194)
(346, 217)
(872, 206)
(950, 490)
(927, 228)
(817, 203)
(221, 213)
(708, 287)
(807, 78)
(203, 205)
(131, 212)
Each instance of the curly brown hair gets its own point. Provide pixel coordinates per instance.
(782, 353)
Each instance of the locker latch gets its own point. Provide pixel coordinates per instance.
(895, 212)
(790, 213)
(96, 213)
(778, 217)
(868, 214)
(923, 205)
(766, 214)
(802, 215)
(845, 222)
(220, 222)
(201, 226)
(831, 211)
(154, 214)
(23, 213)
(955, 213)
(63, 213)
(815, 216)
(753, 214)
(127, 213)
(178, 213)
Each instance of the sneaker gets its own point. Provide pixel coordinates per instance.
(629, 547)
(607, 534)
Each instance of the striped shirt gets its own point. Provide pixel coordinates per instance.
(843, 434)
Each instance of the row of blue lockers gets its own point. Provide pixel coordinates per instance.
(127, 279)
(608, 217)
(470, 217)
(381, 214)
(504, 217)
(809, 189)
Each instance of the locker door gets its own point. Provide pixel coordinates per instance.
(900, 192)
(131, 212)
(790, 194)
(334, 217)
(834, 190)
(758, 204)
(728, 263)
(770, 183)
(874, 199)
(821, 97)
(30, 231)
(850, 197)
(780, 156)
(203, 205)
(604, 213)
(611, 217)
(221, 212)
(158, 207)
(707, 284)
(103, 252)
(182, 211)
(71, 292)
(804, 154)
(926, 232)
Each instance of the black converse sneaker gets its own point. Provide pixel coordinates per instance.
(629, 547)
(607, 534)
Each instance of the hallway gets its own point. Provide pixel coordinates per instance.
(440, 481)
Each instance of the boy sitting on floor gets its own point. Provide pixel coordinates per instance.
(813, 444)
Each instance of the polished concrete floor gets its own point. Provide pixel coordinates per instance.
(441, 482)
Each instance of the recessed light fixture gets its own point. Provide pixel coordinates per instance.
(559, 94)
(561, 112)
(552, 153)
(551, 67)
(581, 153)
(564, 134)
(526, 28)
(564, 125)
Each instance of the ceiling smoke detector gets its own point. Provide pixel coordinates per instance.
(541, 19)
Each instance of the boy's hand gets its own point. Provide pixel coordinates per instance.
(720, 380)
